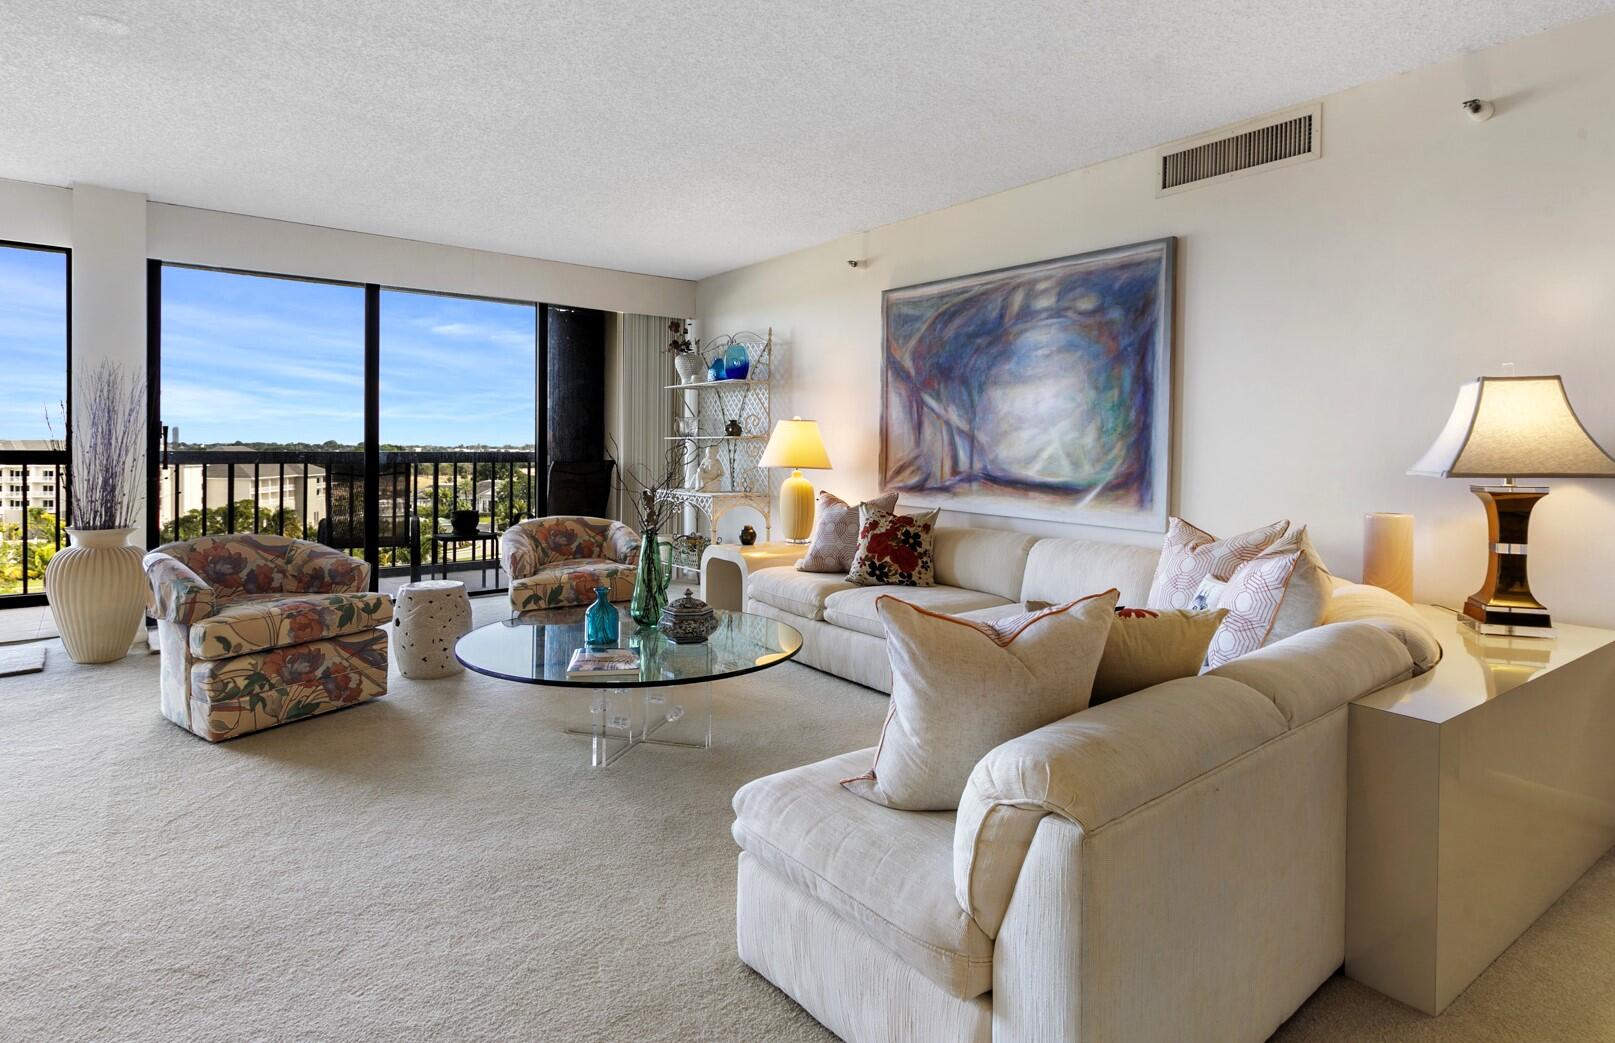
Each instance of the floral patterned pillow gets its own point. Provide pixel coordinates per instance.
(893, 549)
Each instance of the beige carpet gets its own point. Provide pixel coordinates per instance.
(440, 864)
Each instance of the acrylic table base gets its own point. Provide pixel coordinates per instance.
(622, 718)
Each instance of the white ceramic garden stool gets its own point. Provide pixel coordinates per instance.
(428, 618)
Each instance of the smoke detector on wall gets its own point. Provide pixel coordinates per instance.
(1479, 109)
(1279, 140)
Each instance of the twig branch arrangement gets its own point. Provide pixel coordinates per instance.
(642, 484)
(107, 449)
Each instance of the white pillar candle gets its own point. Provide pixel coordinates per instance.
(1388, 553)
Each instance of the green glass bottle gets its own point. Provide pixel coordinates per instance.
(650, 582)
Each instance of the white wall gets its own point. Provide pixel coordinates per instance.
(1328, 310)
(112, 233)
(208, 237)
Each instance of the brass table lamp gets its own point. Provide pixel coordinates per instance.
(1509, 427)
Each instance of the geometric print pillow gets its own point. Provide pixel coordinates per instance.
(1280, 592)
(1191, 555)
(893, 549)
(835, 533)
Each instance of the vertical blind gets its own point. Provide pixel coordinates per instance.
(647, 406)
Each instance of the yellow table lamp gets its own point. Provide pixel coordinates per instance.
(796, 444)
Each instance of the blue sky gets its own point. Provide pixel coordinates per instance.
(255, 359)
(33, 341)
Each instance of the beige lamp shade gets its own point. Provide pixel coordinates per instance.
(1508, 427)
(795, 443)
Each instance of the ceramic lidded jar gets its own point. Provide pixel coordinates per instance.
(688, 620)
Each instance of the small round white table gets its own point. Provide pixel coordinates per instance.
(428, 618)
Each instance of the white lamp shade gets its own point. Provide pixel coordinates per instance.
(795, 443)
(1514, 426)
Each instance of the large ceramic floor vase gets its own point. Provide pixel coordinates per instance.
(97, 594)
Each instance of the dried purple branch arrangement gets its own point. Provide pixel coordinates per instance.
(107, 459)
(643, 486)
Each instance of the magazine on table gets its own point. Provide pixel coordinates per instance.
(603, 662)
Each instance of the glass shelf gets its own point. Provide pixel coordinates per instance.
(715, 384)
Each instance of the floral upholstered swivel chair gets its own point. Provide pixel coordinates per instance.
(558, 561)
(260, 630)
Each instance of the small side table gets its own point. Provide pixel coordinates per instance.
(448, 552)
(428, 618)
(725, 568)
(1477, 794)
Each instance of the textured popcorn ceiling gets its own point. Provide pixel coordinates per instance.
(677, 138)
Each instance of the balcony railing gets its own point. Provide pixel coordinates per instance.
(33, 507)
(311, 494)
(319, 495)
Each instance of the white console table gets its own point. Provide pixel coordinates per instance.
(725, 567)
(1478, 793)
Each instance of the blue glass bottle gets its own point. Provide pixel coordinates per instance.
(736, 362)
(600, 622)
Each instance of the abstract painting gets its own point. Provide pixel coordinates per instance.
(1041, 391)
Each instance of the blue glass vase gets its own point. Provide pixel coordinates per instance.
(736, 362)
(600, 622)
(715, 368)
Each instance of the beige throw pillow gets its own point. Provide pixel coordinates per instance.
(1146, 648)
(960, 687)
(1280, 592)
(1190, 555)
(835, 532)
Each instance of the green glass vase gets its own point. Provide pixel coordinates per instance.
(650, 582)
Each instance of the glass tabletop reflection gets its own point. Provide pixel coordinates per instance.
(535, 647)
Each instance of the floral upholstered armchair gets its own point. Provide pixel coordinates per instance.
(558, 561)
(259, 630)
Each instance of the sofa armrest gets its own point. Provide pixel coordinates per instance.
(313, 568)
(1310, 673)
(1358, 602)
(1091, 768)
(178, 594)
(518, 553)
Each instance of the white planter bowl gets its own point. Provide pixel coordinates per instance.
(97, 594)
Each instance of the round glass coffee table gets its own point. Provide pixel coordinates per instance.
(670, 702)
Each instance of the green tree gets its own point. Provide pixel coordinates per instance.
(188, 526)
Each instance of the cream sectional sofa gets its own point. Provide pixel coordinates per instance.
(979, 572)
(1166, 866)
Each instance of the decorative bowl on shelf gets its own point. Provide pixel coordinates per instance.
(688, 620)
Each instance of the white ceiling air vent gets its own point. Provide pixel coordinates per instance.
(1246, 148)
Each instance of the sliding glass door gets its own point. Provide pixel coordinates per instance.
(33, 425)
(458, 403)
(260, 395)
(372, 420)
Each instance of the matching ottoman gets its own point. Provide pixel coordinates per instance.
(428, 618)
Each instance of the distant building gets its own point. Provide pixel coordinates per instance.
(184, 489)
(37, 488)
